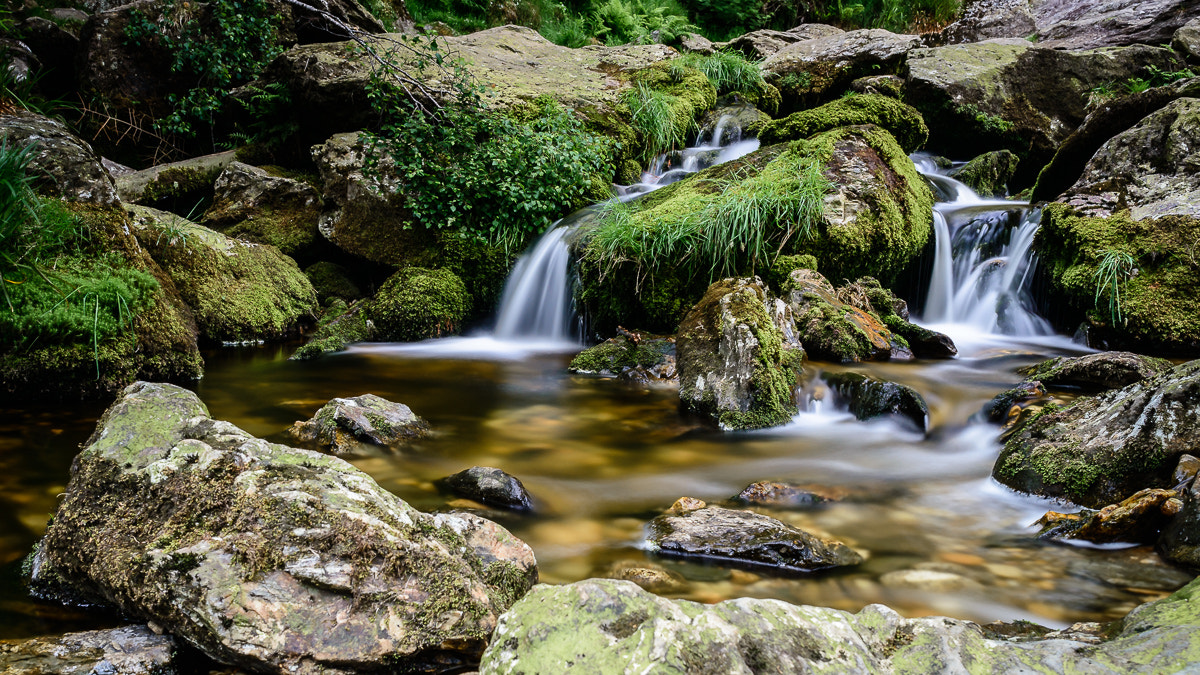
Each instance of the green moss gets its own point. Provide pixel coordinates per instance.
(619, 353)
(290, 231)
(331, 280)
(482, 267)
(417, 303)
(901, 120)
(335, 334)
(180, 183)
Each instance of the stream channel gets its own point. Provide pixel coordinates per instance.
(601, 458)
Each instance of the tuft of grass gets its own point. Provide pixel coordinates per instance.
(1114, 268)
(727, 71)
(652, 116)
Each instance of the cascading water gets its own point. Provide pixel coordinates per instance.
(983, 260)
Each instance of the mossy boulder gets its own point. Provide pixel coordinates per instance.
(1102, 449)
(417, 304)
(609, 626)
(347, 426)
(988, 174)
(627, 351)
(270, 558)
(1096, 372)
(869, 397)
(901, 120)
(735, 367)
(809, 71)
(176, 186)
(833, 330)
(331, 280)
(238, 291)
(62, 164)
(341, 326)
(249, 203)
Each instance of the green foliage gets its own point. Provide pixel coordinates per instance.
(1155, 77)
(464, 16)
(270, 122)
(725, 19)
(486, 174)
(742, 223)
(727, 71)
(1113, 269)
(895, 15)
(217, 45)
(653, 117)
(620, 22)
(563, 27)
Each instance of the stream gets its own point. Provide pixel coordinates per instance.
(601, 458)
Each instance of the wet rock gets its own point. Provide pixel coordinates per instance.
(734, 365)
(1137, 519)
(870, 398)
(238, 291)
(1102, 449)
(1186, 470)
(640, 354)
(614, 626)
(1180, 540)
(930, 581)
(266, 557)
(760, 44)
(773, 494)
(833, 330)
(924, 343)
(492, 487)
(417, 304)
(902, 121)
(249, 203)
(1187, 39)
(132, 650)
(344, 426)
(818, 67)
(989, 173)
(651, 577)
(745, 538)
(732, 118)
(62, 165)
(1096, 372)
(1006, 407)
(349, 324)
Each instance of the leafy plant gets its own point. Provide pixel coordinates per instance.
(621, 22)
(727, 71)
(1114, 268)
(1136, 85)
(725, 19)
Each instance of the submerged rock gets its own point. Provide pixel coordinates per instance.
(608, 626)
(1102, 449)
(1096, 372)
(266, 557)
(132, 650)
(1006, 407)
(492, 487)
(773, 494)
(344, 426)
(631, 354)
(1139, 518)
(652, 577)
(725, 536)
(734, 365)
(870, 398)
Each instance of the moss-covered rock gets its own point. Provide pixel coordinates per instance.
(1102, 449)
(345, 426)
(869, 398)
(62, 164)
(1096, 372)
(808, 71)
(342, 326)
(734, 365)
(249, 203)
(331, 280)
(617, 354)
(901, 120)
(266, 557)
(989, 173)
(417, 304)
(238, 291)
(833, 330)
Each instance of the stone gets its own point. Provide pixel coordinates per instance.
(902, 121)
(1096, 372)
(989, 173)
(331, 280)
(1139, 518)
(870, 398)
(1006, 407)
(270, 558)
(832, 330)
(1071, 24)
(419, 304)
(249, 203)
(131, 650)
(62, 164)
(734, 366)
(652, 354)
(728, 537)
(653, 578)
(773, 494)
(492, 487)
(819, 67)
(237, 290)
(1186, 470)
(980, 20)
(349, 324)
(1102, 449)
(347, 426)
(697, 43)
(1180, 540)
(614, 626)
(1187, 39)
(188, 177)
(760, 44)
(891, 86)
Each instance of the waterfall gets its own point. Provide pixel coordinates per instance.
(983, 260)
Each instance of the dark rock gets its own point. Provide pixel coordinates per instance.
(132, 650)
(344, 426)
(1186, 470)
(742, 537)
(989, 173)
(269, 558)
(62, 164)
(249, 203)
(55, 49)
(1102, 449)
(1180, 540)
(870, 398)
(1006, 407)
(760, 44)
(777, 495)
(924, 343)
(734, 364)
(331, 280)
(492, 487)
(1096, 372)
(1139, 518)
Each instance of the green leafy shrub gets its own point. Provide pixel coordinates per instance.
(726, 19)
(620, 22)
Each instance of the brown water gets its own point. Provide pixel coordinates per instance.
(602, 459)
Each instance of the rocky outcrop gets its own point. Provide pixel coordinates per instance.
(270, 558)
(761, 44)
(869, 398)
(132, 650)
(1071, 24)
(492, 487)
(693, 530)
(62, 165)
(237, 290)
(249, 203)
(808, 71)
(1102, 449)
(1015, 94)
(614, 627)
(988, 174)
(631, 356)
(347, 426)
(1096, 372)
(734, 365)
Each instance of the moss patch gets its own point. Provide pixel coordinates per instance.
(417, 303)
(901, 120)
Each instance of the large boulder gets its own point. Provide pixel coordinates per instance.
(266, 557)
(1187, 39)
(614, 627)
(734, 364)
(1096, 372)
(418, 304)
(902, 121)
(132, 650)
(63, 165)
(808, 71)
(1071, 24)
(1102, 449)
(869, 397)
(239, 291)
(1137, 201)
(1015, 94)
(252, 204)
(760, 44)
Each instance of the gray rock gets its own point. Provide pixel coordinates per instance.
(195, 174)
(63, 165)
(773, 494)
(1187, 39)
(1096, 372)
(760, 44)
(615, 627)
(980, 20)
(266, 557)
(1102, 449)
(820, 66)
(734, 366)
(345, 426)
(870, 398)
(492, 487)
(132, 650)
(1086, 24)
(695, 42)
(727, 536)
(249, 203)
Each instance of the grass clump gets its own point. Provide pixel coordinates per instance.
(727, 71)
(653, 116)
(1112, 270)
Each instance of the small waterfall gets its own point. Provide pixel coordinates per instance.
(983, 260)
